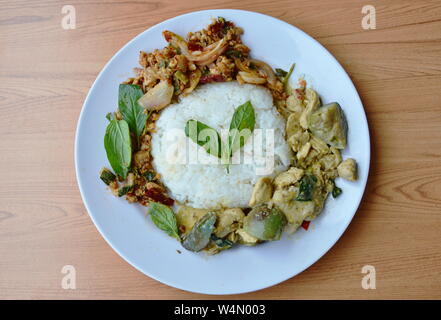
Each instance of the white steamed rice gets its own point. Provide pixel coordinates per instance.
(205, 184)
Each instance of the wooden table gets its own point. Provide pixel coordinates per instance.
(46, 72)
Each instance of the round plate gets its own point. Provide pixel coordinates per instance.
(133, 235)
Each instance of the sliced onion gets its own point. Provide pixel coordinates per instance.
(267, 70)
(207, 57)
(158, 97)
(241, 66)
(249, 77)
(194, 80)
(203, 59)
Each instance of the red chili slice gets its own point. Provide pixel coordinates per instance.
(192, 46)
(212, 78)
(157, 196)
(305, 224)
(216, 27)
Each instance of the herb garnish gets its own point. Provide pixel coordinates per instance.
(205, 136)
(306, 189)
(336, 191)
(241, 127)
(131, 111)
(164, 218)
(118, 146)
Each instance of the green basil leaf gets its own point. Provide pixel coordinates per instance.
(241, 126)
(306, 189)
(118, 146)
(164, 218)
(131, 111)
(110, 116)
(205, 136)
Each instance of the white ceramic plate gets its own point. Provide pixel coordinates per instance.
(243, 269)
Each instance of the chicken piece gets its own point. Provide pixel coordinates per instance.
(245, 238)
(262, 191)
(228, 221)
(187, 217)
(348, 169)
(298, 139)
(289, 177)
(298, 211)
(319, 145)
(295, 211)
(303, 152)
(292, 125)
(294, 104)
(311, 106)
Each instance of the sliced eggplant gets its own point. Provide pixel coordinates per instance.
(265, 223)
(329, 124)
(199, 236)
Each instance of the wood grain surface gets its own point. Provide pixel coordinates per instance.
(46, 72)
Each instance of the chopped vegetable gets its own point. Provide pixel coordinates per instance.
(158, 196)
(209, 78)
(220, 242)
(286, 79)
(107, 176)
(233, 54)
(194, 80)
(329, 124)
(281, 73)
(128, 186)
(264, 223)
(203, 59)
(306, 189)
(179, 75)
(241, 66)
(158, 97)
(199, 236)
(249, 77)
(305, 224)
(149, 175)
(266, 69)
(336, 191)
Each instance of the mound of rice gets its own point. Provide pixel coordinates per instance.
(205, 183)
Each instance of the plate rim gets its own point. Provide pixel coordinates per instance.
(158, 25)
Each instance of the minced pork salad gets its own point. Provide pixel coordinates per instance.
(209, 81)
